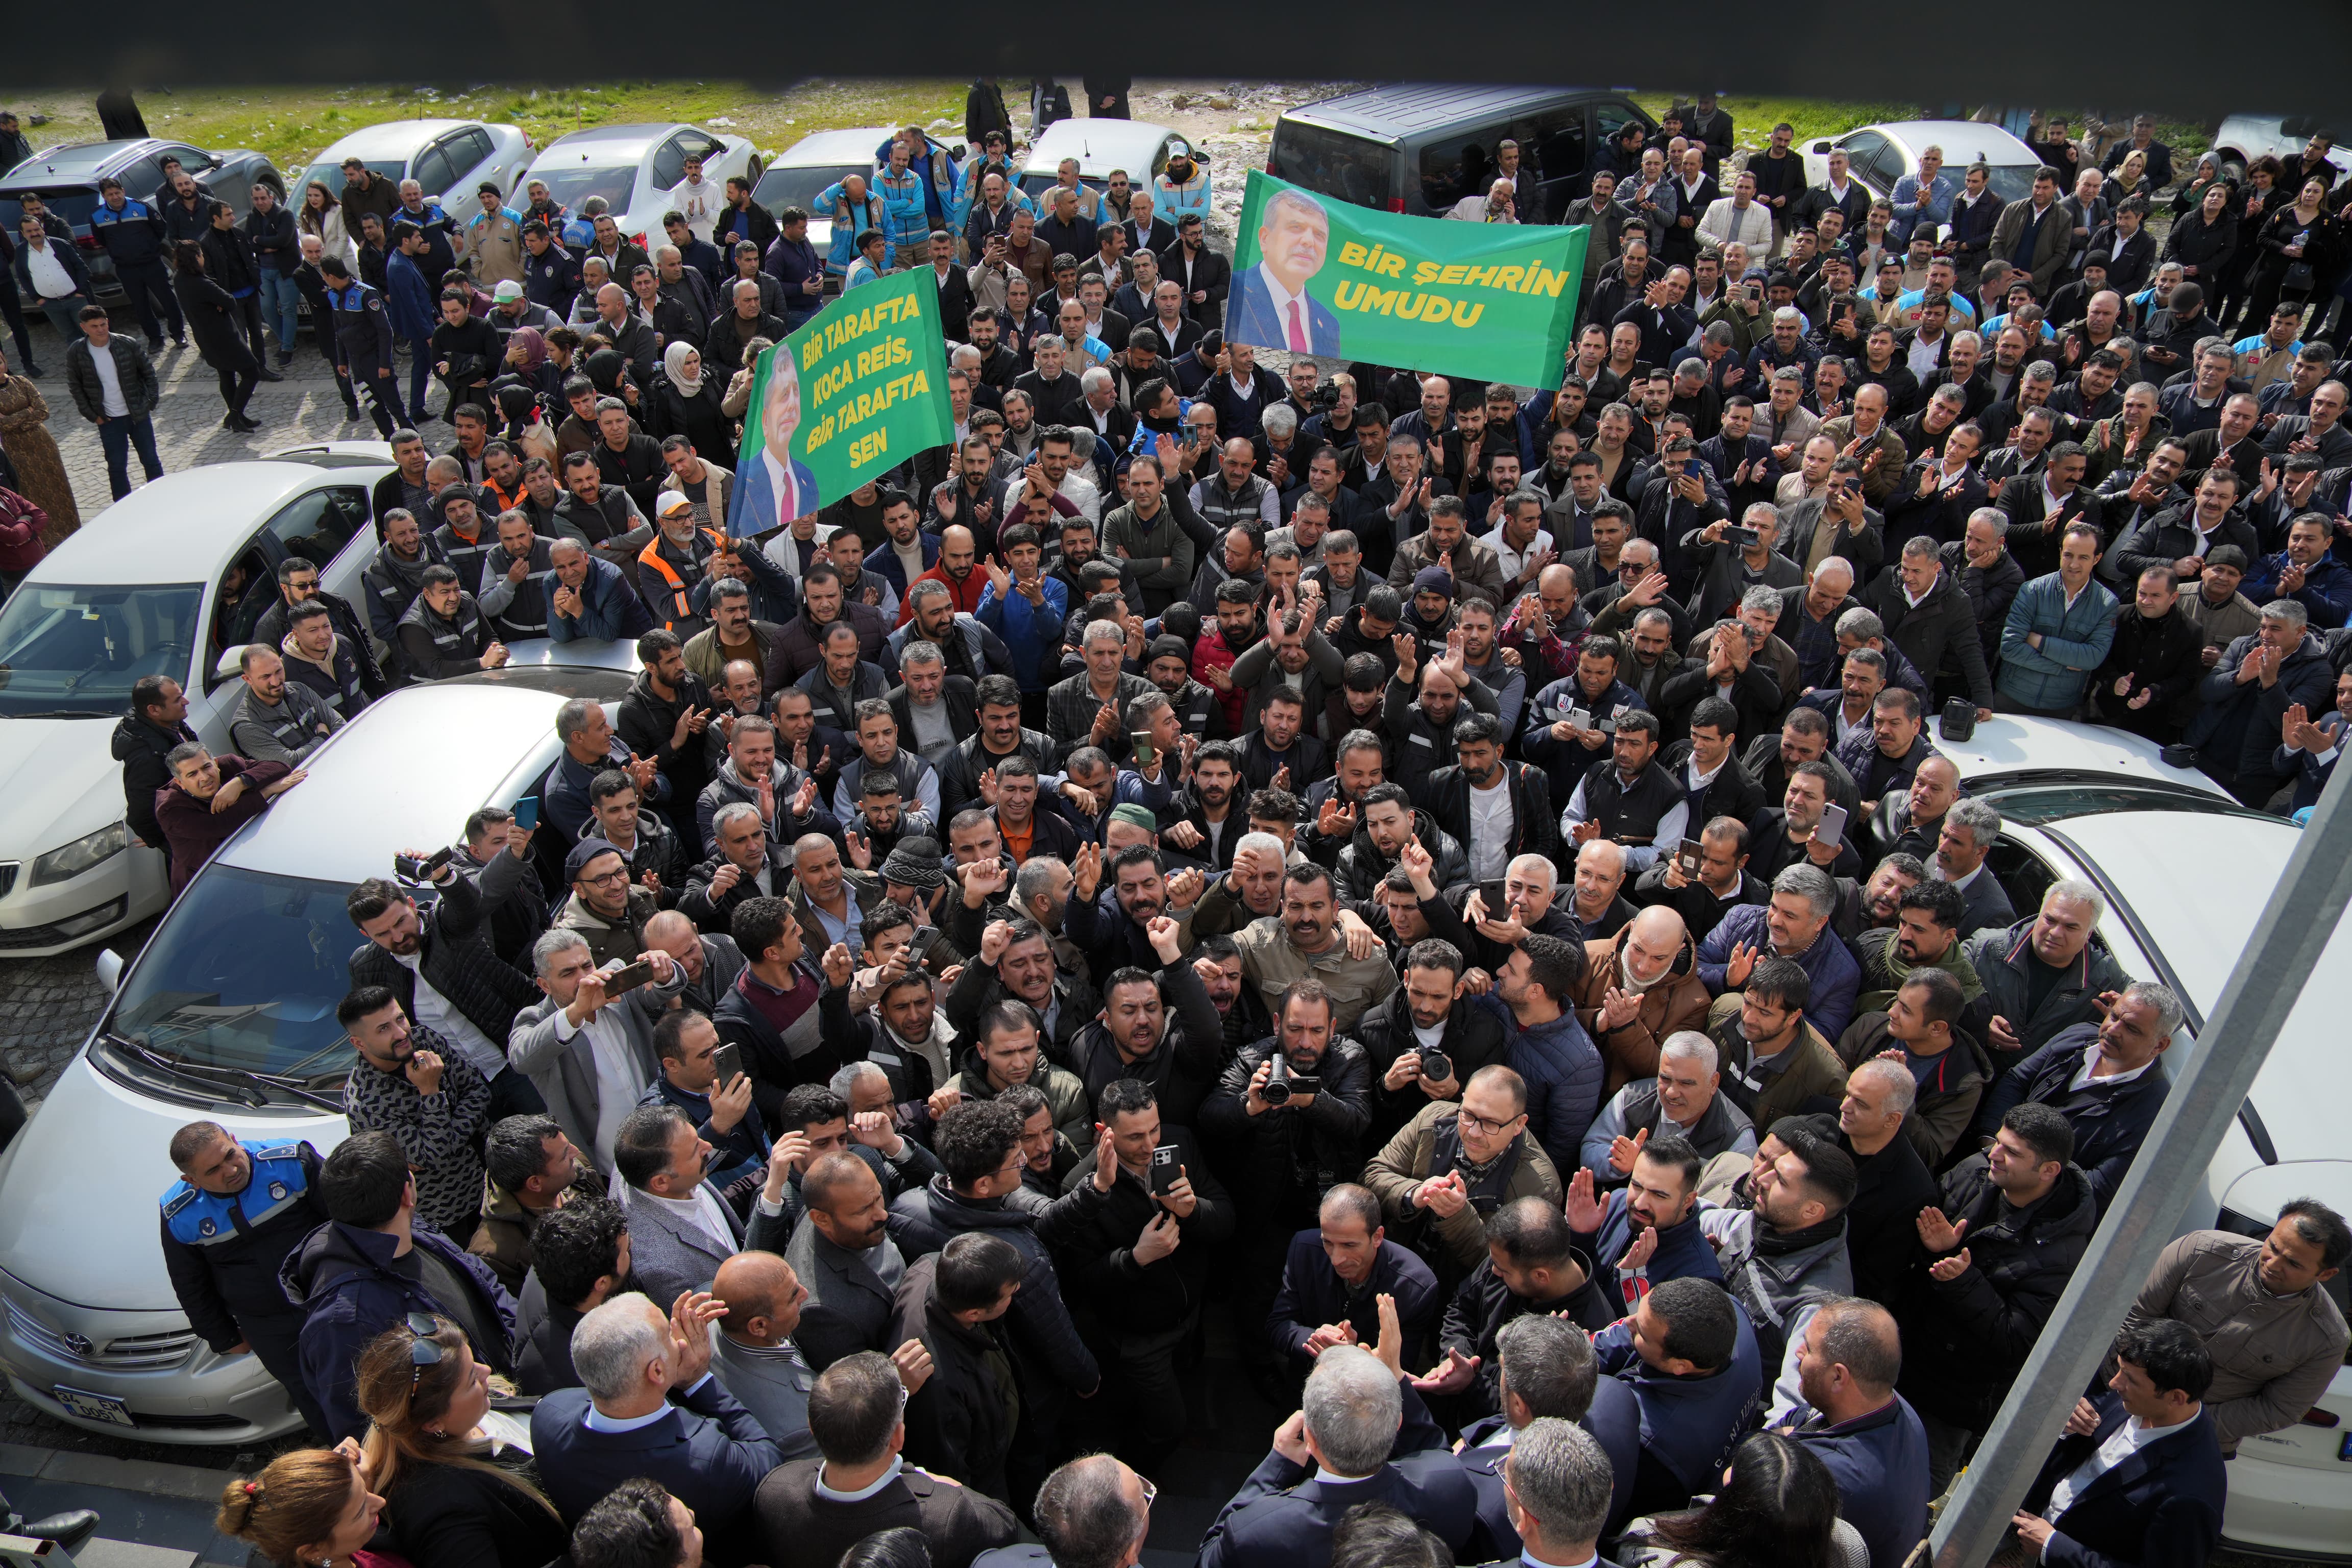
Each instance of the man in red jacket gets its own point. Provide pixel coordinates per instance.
(210, 798)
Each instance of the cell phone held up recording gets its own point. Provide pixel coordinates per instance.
(526, 814)
(729, 1061)
(1832, 831)
(1144, 751)
(409, 869)
(1164, 1170)
(1686, 858)
(1496, 895)
(920, 944)
(628, 977)
(1741, 536)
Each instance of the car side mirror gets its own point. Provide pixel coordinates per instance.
(227, 668)
(109, 969)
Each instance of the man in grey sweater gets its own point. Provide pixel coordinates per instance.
(275, 721)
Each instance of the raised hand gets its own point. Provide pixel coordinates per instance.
(1390, 1346)
(1944, 1270)
(914, 1365)
(1644, 1247)
(1162, 933)
(1584, 1208)
(1625, 1151)
(1739, 966)
(837, 965)
(1938, 1233)
(1452, 1377)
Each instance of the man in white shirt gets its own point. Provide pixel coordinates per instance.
(1738, 217)
(1521, 542)
(698, 200)
(680, 1230)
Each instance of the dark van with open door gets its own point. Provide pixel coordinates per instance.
(1420, 148)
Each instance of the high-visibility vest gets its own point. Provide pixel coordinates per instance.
(651, 555)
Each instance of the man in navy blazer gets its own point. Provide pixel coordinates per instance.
(2102, 1078)
(2137, 1478)
(1872, 1440)
(1333, 1454)
(1558, 1486)
(652, 1409)
(1547, 1370)
(1270, 305)
(1337, 1273)
(777, 487)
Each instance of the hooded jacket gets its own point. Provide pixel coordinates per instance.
(726, 788)
(342, 1281)
(924, 1219)
(1067, 1100)
(1677, 1001)
(1964, 1339)
(1779, 1280)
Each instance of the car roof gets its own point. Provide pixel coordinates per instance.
(1098, 145)
(390, 136)
(1410, 107)
(852, 146)
(78, 160)
(185, 527)
(2005, 747)
(410, 769)
(622, 143)
(1987, 144)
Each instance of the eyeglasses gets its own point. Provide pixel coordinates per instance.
(607, 877)
(424, 1347)
(1471, 1122)
(1151, 1492)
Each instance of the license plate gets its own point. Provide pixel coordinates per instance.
(93, 1406)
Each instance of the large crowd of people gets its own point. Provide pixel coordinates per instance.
(1453, 890)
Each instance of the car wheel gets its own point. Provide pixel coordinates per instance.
(2234, 166)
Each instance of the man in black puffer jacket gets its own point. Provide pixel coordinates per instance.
(1391, 821)
(142, 739)
(2012, 1224)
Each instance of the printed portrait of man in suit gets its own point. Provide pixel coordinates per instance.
(1270, 307)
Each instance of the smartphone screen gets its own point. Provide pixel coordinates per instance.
(1833, 828)
(526, 813)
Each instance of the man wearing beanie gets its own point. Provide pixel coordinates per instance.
(1169, 665)
(1430, 614)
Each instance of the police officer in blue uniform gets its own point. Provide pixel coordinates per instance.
(132, 235)
(228, 1223)
(363, 341)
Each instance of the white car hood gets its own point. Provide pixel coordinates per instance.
(60, 780)
(88, 1230)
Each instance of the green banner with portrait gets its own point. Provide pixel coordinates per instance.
(858, 391)
(1315, 275)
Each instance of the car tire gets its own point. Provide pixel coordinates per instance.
(2234, 166)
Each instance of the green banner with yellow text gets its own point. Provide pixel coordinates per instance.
(858, 391)
(1316, 275)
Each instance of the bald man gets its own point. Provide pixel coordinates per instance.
(1639, 987)
(1854, 1422)
(754, 1356)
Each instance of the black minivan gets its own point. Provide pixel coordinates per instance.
(1421, 148)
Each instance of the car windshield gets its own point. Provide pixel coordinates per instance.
(2009, 182)
(245, 973)
(2043, 802)
(798, 187)
(570, 187)
(74, 203)
(80, 650)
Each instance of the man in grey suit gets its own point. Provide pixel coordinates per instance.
(842, 1253)
(754, 1356)
(681, 1230)
(589, 1054)
(1969, 829)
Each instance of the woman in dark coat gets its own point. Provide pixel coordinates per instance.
(2297, 252)
(685, 402)
(2205, 237)
(458, 1483)
(218, 324)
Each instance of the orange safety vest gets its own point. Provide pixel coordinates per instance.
(651, 555)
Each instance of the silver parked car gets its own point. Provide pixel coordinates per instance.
(450, 158)
(229, 1015)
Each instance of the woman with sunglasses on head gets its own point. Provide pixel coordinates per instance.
(456, 1476)
(310, 1508)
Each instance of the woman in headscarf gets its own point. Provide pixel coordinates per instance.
(528, 361)
(686, 403)
(216, 322)
(524, 422)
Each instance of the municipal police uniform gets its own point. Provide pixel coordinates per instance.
(363, 343)
(224, 1253)
(133, 239)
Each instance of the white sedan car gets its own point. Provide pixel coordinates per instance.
(2186, 872)
(173, 578)
(450, 158)
(1878, 155)
(632, 167)
(816, 163)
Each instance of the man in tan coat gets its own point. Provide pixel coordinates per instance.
(1638, 989)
